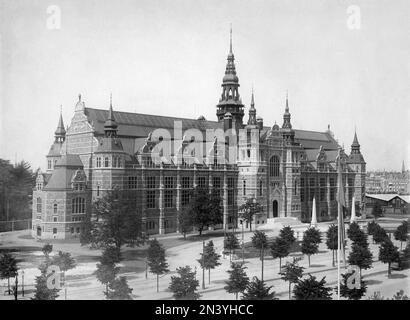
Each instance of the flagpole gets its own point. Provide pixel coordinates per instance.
(338, 249)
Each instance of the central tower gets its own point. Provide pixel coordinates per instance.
(230, 103)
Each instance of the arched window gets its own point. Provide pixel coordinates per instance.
(39, 205)
(106, 163)
(244, 187)
(274, 166)
(78, 205)
(55, 208)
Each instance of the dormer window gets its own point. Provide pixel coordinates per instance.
(49, 164)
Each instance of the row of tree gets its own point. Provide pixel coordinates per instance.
(16, 188)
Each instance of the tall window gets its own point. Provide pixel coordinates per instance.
(78, 205)
(260, 188)
(295, 187)
(98, 164)
(132, 182)
(230, 190)
(49, 164)
(150, 193)
(106, 162)
(201, 182)
(39, 205)
(169, 185)
(185, 191)
(216, 182)
(274, 166)
(55, 208)
(244, 187)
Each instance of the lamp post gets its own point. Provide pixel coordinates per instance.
(203, 264)
(243, 245)
(22, 282)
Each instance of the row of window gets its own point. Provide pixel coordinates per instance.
(260, 188)
(78, 205)
(105, 162)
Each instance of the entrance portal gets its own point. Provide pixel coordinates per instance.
(275, 209)
(39, 231)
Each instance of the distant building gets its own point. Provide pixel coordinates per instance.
(390, 203)
(388, 182)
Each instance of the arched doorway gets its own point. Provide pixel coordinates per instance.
(39, 231)
(275, 209)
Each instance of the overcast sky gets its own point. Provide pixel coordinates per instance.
(168, 58)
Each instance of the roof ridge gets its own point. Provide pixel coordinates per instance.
(151, 115)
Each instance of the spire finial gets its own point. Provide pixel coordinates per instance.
(287, 98)
(230, 40)
(79, 97)
(111, 100)
(252, 98)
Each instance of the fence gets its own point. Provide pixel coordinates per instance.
(15, 225)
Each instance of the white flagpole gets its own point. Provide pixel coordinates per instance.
(339, 230)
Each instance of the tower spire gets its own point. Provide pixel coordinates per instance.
(60, 131)
(252, 111)
(110, 125)
(230, 40)
(286, 115)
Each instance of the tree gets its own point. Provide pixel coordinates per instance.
(311, 289)
(16, 189)
(119, 290)
(376, 296)
(42, 292)
(248, 210)
(106, 274)
(332, 240)
(64, 261)
(209, 260)
(377, 211)
(388, 253)
(8, 268)
(205, 209)
(259, 241)
(399, 295)
(288, 234)
(111, 255)
(401, 233)
(231, 243)
(238, 280)
(351, 294)
(47, 249)
(360, 256)
(257, 290)
(356, 235)
(156, 260)
(280, 249)
(184, 286)
(292, 272)
(379, 235)
(184, 221)
(113, 222)
(371, 227)
(310, 242)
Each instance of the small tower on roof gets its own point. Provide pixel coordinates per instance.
(60, 131)
(252, 111)
(110, 125)
(287, 132)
